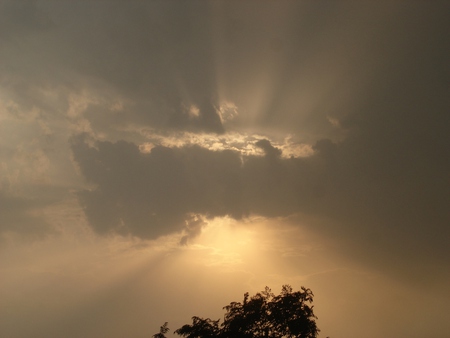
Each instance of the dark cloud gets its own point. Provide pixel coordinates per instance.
(152, 194)
(149, 195)
(161, 57)
(385, 187)
(379, 172)
(269, 150)
(194, 225)
(154, 56)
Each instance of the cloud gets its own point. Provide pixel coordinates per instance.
(194, 226)
(149, 194)
(158, 66)
(269, 150)
(382, 188)
(375, 178)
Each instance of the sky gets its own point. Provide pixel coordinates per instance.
(158, 159)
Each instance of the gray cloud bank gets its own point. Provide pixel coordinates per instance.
(384, 187)
(379, 175)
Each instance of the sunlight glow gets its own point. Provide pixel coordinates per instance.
(225, 244)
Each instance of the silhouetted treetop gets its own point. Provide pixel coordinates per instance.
(204, 328)
(162, 331)
(264, 315)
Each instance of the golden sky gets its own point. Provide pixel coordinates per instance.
(158, 159)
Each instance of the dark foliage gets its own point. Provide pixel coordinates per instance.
(200, 328)
(264, 315)
(162, 331)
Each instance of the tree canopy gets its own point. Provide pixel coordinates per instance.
(264, 315)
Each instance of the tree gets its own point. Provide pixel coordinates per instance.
(200, 328)
(162, 331)
(264, 315)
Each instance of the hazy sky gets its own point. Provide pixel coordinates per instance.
(160, 158)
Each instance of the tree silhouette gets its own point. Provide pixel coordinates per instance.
(200, 328)
(264, 315)
(162, 331)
